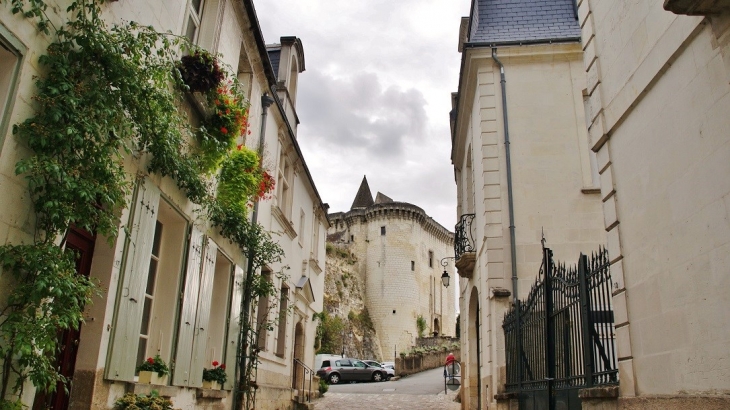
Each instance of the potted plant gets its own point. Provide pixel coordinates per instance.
(200, 71)
(143, 402)
(215, 377)
(228, 122)
(154, 370)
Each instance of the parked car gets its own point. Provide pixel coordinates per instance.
(389, 369)
(324, 360)
(350, 370)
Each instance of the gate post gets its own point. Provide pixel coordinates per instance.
(586, 320)
(549, 328)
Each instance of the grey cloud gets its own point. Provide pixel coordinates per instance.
(358, 113)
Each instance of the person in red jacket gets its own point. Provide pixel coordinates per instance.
(450, 359)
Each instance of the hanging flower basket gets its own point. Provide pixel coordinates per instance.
(200, 71)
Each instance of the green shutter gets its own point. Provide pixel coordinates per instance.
(234, 327)
(130, 302)
(181, 375)
(200, 358)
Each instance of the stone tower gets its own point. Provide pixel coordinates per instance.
(398, 248)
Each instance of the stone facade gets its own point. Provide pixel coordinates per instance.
(230, 28)
(657, 103)
(555, 191)
(398, 249)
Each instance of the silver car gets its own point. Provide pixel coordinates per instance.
(350, 370)
(389, 369)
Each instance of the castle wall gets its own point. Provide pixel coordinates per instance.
(400, 283)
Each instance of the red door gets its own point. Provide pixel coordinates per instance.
(82, 242)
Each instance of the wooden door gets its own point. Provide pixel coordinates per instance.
(82, 243)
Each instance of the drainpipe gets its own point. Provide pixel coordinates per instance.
(513, 249)
(243, 345)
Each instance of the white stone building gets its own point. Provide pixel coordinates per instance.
(207, 294)
(522, 167)
(398, 249)
(657, 104)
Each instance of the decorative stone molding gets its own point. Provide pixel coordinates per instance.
(465, 264)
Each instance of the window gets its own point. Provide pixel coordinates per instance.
(262, 313)
(11, 51)
(302, 219)
(413, 265)
(352, 238)
(430, 259)
(283, 310)
(315, 238)
(149, 295)
(284, 194)
(192, 28)
(382, 230)
(165, 303)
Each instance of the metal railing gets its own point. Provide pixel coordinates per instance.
(306, 370)
(464, 236)
(561, 338)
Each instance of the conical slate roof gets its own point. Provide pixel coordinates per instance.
(381, 198)
(364, 197)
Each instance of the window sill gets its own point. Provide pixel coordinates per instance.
(284, 222)
(173, 391)
(315, 265)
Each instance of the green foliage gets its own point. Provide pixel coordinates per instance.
(421, 325)
(239, 179)
(228, 121)
(48, 296)
(154, 364)
(106, 93)
(361, 320)
(217, 373)
(323, 387)
(329, 333)
(154, 401)
(11, 405)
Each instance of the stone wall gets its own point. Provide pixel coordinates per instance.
(418, 363)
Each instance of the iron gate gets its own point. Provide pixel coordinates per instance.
(561, 338)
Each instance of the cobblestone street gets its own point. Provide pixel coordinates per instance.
(359, 401)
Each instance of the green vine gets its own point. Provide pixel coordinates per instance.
(106, 93)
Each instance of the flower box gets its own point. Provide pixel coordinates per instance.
(211, 385)
(146, 377)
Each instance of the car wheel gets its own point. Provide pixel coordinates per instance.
(334, 378)
(377, 377)
(387, 379)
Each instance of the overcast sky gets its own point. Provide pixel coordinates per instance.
(375, 97)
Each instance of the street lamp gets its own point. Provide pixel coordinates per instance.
(445, 278)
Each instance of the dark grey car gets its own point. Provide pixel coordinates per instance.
(350, 370)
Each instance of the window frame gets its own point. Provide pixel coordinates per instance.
(13, 46)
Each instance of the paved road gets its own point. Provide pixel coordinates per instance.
(422, 391)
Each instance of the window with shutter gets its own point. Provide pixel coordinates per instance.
(188, 303)
(234, 327)
(199, 360)
(131, 297)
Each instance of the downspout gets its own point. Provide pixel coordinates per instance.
(243, 346)
(510, 199)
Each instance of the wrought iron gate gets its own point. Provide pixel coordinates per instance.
(561, 338)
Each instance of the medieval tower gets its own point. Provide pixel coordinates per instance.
(399, 249)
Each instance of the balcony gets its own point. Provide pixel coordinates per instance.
(697, 7)
(465, 246)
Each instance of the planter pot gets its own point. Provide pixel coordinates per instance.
(152, 378)
(211, 385)
(200, 102)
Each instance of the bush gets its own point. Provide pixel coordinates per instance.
(323, 387)
(154, 401)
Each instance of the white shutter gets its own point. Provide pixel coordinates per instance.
(125, 340)
(200, 341)
(181, 376)
(234, 327)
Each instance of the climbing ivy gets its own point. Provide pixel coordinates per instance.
(106, 93)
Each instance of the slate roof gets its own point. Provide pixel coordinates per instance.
(523, 21)
(364, 197)
(275, 57)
